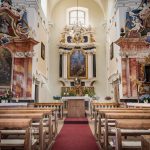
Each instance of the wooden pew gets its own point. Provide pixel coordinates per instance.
(35, 117)
(134, 124)
(101, 114)
(19, 124)
(48, 123)
(115, 116)
(47, 112)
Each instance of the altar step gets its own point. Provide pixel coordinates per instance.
(76, 121)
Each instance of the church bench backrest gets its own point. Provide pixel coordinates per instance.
(19, 124)
(34, 116)
(46, 112)
(130, 115)
(134, 124)
(127, 115)
(101, 114)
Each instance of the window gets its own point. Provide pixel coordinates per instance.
(111, 51)
(77, 16)
(44, 7)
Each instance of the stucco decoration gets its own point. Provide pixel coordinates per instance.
(77, 36)
(138, 21)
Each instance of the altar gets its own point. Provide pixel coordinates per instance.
(76, 105)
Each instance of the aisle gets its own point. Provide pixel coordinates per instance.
(75, 135)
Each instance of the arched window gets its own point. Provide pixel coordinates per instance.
(77, 16)
(44, 7)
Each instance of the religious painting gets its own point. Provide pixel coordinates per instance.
(77, 64)
(5, 67)
(42, 51)
(6, 25)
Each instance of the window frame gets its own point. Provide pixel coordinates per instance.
(73, 9)
(44, 7)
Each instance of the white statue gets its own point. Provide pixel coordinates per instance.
(137, 25)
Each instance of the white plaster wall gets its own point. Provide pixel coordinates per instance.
(40, 33)
(96, 20)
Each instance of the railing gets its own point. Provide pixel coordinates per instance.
(58, 106)
(98, 105)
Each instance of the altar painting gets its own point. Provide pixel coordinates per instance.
(5, 67)
(77, 64)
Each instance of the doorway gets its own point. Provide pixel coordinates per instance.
(36, 93)
(116, 91)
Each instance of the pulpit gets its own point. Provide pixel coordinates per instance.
(76, 105)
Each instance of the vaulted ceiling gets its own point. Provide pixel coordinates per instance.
(102, 3)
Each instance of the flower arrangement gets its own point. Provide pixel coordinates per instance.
(7, 95)
(144, 98)
(89, 92)
(56, 97)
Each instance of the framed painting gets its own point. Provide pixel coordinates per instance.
(77, 64)
(42, 51)
(5, 67)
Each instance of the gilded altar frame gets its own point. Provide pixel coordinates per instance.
(85, 66)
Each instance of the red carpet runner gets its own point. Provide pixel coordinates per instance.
(75, 136)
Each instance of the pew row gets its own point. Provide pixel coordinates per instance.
(35, 117)
(138, 128)
(47, 113)
(100, 116)
(27, 143)
(47, 122)
(109, 129)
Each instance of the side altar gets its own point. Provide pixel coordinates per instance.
(76, 105)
